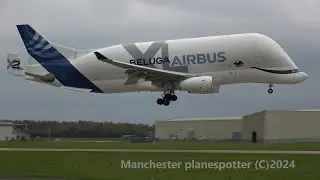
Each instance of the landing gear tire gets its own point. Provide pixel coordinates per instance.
(160, 101)
(167, 97)
(173, 97)
(270, 90)
(166, 102)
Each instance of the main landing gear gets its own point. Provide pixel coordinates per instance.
(270, 90)
(167, 97)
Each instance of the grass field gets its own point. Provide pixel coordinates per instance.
(87, 165)
(107, 165)
(162, 145)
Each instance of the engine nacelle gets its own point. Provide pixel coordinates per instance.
(199, 85)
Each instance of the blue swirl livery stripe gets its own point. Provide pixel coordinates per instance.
(53, 61)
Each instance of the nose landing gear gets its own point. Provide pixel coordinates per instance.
(167, 97)
(270, 90)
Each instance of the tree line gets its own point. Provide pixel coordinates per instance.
(83, 129)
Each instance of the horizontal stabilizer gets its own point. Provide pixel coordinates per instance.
(14, 65)
(76, 89)
(48, 78)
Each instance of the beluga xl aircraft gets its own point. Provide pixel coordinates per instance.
(195, 65)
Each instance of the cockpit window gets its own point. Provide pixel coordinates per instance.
(295, 70)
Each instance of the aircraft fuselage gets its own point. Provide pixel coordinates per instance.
(229, 59)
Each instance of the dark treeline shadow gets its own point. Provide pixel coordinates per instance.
(81, 129)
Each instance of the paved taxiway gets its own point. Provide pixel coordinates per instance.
(163, 151)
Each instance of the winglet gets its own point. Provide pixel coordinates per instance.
(100, 56)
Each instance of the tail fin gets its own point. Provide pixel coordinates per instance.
(52, 60)
(14, 65)
(37, 46)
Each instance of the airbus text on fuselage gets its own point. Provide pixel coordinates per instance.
(190, 59)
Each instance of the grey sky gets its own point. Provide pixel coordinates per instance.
(92, 24)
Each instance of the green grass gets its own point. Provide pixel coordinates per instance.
(107, 166)
(162, 145)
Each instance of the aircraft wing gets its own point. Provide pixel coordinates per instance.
(149, 74)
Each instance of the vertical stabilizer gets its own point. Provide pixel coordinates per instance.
(53, 60)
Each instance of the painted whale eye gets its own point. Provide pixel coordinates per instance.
(238, 63)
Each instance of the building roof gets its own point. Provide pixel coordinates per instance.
(308, 110)
(227, 118)
(6, 123)
(203, 119)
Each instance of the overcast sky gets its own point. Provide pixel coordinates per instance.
(294, 24)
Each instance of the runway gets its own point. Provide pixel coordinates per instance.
(163, 151)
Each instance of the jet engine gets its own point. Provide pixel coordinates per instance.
(199, 85)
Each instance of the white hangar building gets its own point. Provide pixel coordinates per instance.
(199, 128)
(265, 126)
(11, 131)
(6, 131)
(282, 126)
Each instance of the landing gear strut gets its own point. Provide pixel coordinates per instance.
(270, 90)
(167, 97)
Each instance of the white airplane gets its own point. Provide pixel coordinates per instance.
(196, 65)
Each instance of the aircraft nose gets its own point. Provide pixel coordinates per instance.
(304, 75)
